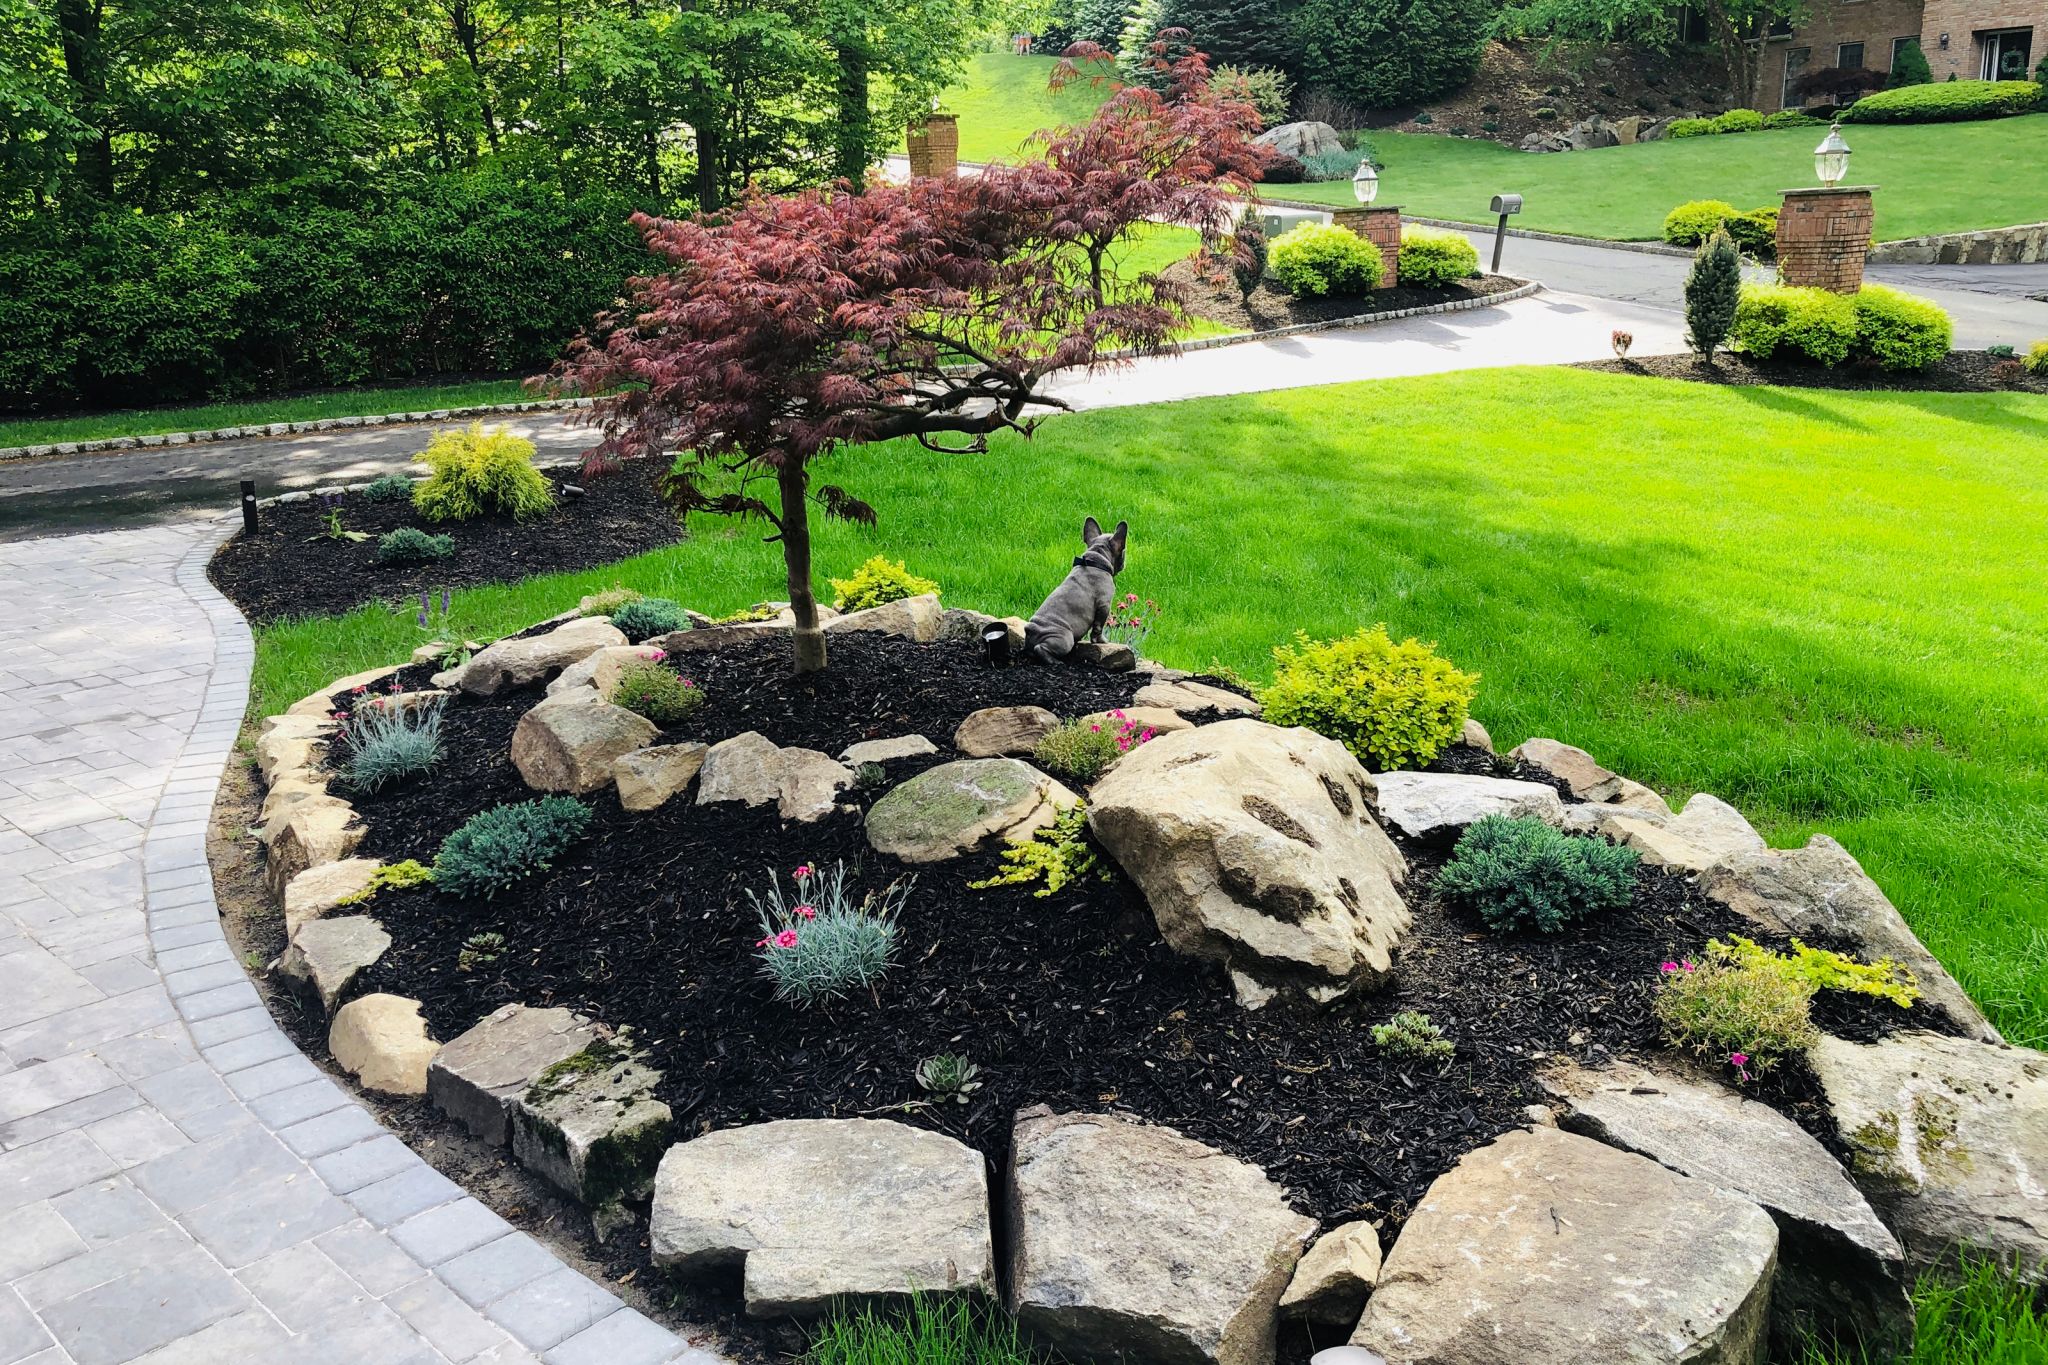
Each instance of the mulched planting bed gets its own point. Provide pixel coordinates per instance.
(1271, 306)
(288, 568)
(1957, 372)
(1071, 1000)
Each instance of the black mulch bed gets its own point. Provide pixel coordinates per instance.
(1957, 372)
(1271, 306)
(289, 569)
(1071, 1000)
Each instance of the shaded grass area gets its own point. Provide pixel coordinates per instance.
(1824, 607)
(1624, 192)
(368, 402)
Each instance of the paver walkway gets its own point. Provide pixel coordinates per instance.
(178, 1184)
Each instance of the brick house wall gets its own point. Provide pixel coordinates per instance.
(1969, 25)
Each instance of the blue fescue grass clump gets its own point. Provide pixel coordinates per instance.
(824, 944)
(389, 488)
(506, 844)
(411, 545)
(389, 743)
(1519, 873)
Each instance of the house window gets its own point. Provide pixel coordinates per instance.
(2007, 53)
(1898, 46)
(1849, 56)
(1795, 62)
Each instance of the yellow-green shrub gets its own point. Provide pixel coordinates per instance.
(1393, 705)
(1823, 969)
(1899, 331)
(1773, 320)
(1314, 259)
(1429, 259)
(877, 583)
(480, 473)
(1694, 221)
(2037, 359)
(1726, 1009)
(1739, 121)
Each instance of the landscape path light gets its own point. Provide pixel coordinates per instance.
(1365, 182)
(1831, 158)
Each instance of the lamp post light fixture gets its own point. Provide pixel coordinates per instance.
(1831, 158)
(1365, 182)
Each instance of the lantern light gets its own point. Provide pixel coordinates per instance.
(1831, 158)
(1365, 182)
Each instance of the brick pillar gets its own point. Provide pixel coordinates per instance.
(935, 147)
(1824, 236)
(1380, 225)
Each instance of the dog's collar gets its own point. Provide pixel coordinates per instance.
(1095, 559)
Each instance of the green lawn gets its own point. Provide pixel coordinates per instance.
(1822, 606)
(212, 416)
(1004, 100)
(1931, 177)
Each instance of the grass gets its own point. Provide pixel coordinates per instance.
(368, 402)
(948, 1330)
(1004, 100)
(1822, 606)
(1624, 192)
(1982, 1316)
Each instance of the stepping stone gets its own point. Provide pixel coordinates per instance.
(1546, 1248)
(887, 750)
(477, 1077)
(567, 745)
(1132, 1242)
(1255, 847)
(817, 1211)
(591, 1127)
(382, 1041)
(1425, 805)
(646, 778)
(961, 806)
(1004, 731)
(1330, 1285)
(327, 955)
(1841, 1273)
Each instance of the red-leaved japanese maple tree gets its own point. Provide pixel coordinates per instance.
(785, 327)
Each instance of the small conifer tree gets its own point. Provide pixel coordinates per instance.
(1910, 67)
(1713, 287)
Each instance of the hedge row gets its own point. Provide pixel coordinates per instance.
(1877, 326)
(426, 276)
(1946, 101)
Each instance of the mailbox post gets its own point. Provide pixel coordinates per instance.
(1503, 204)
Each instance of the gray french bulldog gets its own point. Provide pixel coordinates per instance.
(1079, 607)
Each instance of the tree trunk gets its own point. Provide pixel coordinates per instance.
(850, 138)
(710, 188)
(791, 478)
(466, 34)
(85, 63)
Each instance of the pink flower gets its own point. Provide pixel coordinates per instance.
(805, 912)
(786, 939)
(1137, 620)
(762, 942)
(1738, 1059)
(1667, 967)
(802, 872)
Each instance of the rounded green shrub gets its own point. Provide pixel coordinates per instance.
(877, 583)
(658, 693)
(1393, 705)
(1430, 259)
(411, 545)
(1899, 331)
(479, 473)
(1945, 102)
(1693, 222)
(1690, 127)
(389, 488)
(2037, 359)
(1792, 118)
(1519, 873)
(1079, 750)
(1726, 1009)
(1739, 121)
(643, 618)
(1779, 321)
(1756, 231)
(498, 847)
(1317, 259)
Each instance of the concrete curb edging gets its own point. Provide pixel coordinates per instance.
(416, 1212)
(1522, 290)
(182, 438)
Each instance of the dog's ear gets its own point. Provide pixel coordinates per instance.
(1121, 534)
(1091, 531)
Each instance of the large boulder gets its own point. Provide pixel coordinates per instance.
(911, 618)
(961, 806)
(1255, 846)
(818, 1211)
(590, 1126)
(569, 745)
(382, 1041)
(478, 1077)
(326, 956)
(754, 770)
(1820, 892)
(1546, 1248)
(1332, 1282)
(1131, 1242)
(1841, 1273)
(1004, 731)
(647, 778)
(532, 658)
(1707, 831)
(1425, 805)
(1949, 1138)
(1302, 140)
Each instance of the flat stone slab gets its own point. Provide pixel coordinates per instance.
(1130, 1241)
(912, 618)
(1546, 1248)
(1705, 832)
(1190, 698)
(327, 955)
(818, 1211)
(530, 659)
(478, 1077)
(1949, 1138)
(1422, 805)
(1841, 1272)
(592, 1128)
(961, 806)
(1004, 731)
(887, 750)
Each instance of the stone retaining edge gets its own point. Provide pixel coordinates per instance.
(178, 881)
